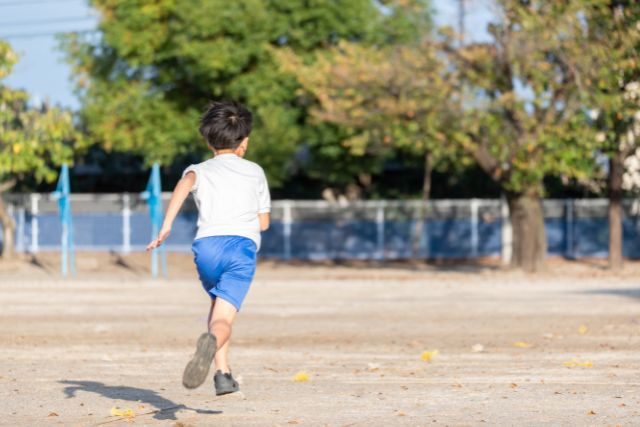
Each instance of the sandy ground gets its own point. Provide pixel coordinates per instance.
(71, 350)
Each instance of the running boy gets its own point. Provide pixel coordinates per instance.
(233, 203)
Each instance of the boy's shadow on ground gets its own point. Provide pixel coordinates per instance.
(166, 409)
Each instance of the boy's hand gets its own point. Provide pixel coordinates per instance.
(162, 236)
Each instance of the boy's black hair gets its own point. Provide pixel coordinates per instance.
(225, 124)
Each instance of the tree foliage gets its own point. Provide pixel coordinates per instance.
(610, 83)
(144, 81)
(33, 141)
(392, 98)
(526, 117)
(609, 72)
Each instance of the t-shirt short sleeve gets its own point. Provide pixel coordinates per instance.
(195, 169)
(264, 197)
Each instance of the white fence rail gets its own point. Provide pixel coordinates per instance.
(314, 229)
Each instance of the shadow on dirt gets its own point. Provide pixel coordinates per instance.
(623, 292)
(166, 409)
(458, 265)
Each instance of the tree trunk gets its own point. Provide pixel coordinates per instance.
(8, 232)
(422, 211)
(529, 237)
(616, 170)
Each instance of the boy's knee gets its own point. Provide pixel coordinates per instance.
(223, 323)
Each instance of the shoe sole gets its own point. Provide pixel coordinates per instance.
(222, 393)
(223, 386)
(196, 371)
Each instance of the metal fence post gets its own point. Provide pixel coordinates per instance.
(507, 232)
(34, 223)
(286, 228)
(474, 227)
(20, 246)
(126, 223)
(11, 210)
(380, 230)
(569, 228)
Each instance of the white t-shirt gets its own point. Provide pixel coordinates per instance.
(230, 192)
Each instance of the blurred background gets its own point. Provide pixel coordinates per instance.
(388, 129)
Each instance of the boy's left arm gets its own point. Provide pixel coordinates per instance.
(178, 197)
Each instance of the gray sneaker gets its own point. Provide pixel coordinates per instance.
(225, 383)
(198, 367)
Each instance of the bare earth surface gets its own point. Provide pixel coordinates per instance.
(71, 350)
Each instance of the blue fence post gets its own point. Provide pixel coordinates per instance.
(62, 193)
(153, 195)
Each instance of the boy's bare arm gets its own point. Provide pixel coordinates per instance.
(264, 221)
(180, 193)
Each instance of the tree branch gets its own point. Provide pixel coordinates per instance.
(7, 185)
(487, 161)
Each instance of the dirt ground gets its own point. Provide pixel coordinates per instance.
(558, 348)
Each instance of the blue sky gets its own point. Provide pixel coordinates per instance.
(29, 26)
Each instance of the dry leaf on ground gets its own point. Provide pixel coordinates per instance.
(126, 413)
(301, 377)
(576, 363)
(522, 344)
(427, 355)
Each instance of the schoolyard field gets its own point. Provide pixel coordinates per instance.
(323, 345)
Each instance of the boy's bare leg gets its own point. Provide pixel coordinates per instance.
(221, 316)
(221, 360)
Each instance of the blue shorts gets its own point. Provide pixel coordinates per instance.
(226, 265)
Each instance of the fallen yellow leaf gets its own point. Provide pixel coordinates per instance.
(522, 344)
(127, 413)
(583, 330)
(427, 355)
(301, 377)
(576, 363)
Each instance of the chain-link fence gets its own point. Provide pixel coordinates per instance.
(322, 230)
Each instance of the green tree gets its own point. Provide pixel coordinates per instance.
(609, 71)
(392, 98)
(33, 142)
(144, 82)
(524, 116)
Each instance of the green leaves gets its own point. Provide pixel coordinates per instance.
(393, 98)
(144, 83)
(527, 118)
(33, 141)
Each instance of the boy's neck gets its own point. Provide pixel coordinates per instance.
(225, 151)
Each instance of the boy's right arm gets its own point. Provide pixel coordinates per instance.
(178, 197)
(264, 221)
